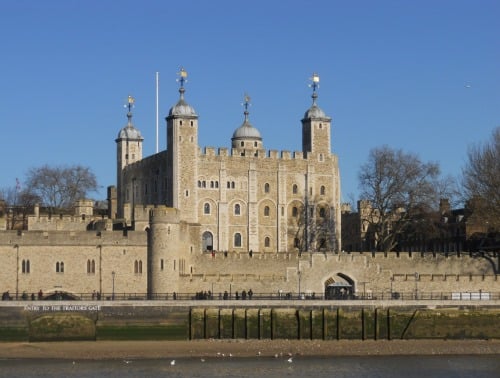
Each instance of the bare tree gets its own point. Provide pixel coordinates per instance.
(61, 186)
(398, 189)
(19, 204)
(481, 180)
(313, 226)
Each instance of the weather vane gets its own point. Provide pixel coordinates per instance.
(315, 81)
(130, 103)
(246, 102)
(183, 76)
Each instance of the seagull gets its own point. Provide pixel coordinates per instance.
(172, 362)
(290, 360)
(127, 361)
(202, 360)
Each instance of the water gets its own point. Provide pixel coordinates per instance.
(387, 367)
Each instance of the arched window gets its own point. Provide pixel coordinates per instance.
(267, 188)
(207, 241)
(237, 239)
(322, 190)
(322, 212)
(206, 208)
(90, 266)
(26, 266)
(266, 211)
(295, 212)
(267, 241)
(59, 267)
(295, 189)
(237, 209)
(138, 266)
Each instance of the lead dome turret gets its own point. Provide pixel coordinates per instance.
(182, 108)
(246, 137)
(129, 132)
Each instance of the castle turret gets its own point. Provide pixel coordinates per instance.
(164, 244)
(316, 127)
(182, 148)
(128, 151)
(246, 138)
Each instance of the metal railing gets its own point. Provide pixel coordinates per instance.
(207, 296)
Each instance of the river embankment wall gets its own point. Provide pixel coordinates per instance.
(256, 319)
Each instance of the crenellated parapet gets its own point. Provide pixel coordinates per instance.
(271, 155)
(164, 214)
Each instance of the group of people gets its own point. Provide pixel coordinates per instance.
(244, 295)
(6, 296)
(225, 296)
(96, 295)
(24, 296)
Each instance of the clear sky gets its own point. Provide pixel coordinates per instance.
(422, 75)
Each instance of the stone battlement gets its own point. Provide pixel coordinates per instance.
(267, 154)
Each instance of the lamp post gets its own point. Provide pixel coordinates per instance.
(392, 280)
(113, 293)
(416, 285)
(299, 273)
(17, 270)
(100, 269)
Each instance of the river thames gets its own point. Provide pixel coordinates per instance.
(341, 366)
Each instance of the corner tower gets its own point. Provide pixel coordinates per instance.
(316, 126)
(128, 151)
(182, 155)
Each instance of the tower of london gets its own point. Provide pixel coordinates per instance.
(228, 219)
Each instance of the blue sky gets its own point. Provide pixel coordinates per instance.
(422, 75)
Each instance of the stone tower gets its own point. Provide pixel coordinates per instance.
(128, 151)
(163, 250)
(316, 128)
(182, 147)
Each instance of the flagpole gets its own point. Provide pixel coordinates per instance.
(157, 84)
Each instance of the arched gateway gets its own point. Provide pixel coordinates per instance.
(339, 287)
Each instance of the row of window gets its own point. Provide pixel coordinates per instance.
(267, 210)
(26, 266)
(214, 184)
(237, 242)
